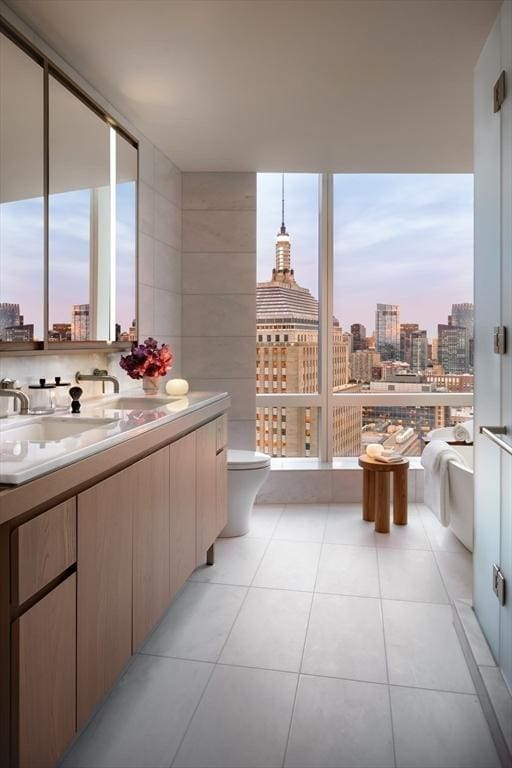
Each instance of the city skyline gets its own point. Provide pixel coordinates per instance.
(420, 224)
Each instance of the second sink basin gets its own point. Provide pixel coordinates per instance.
(138, 403)
(52, 428)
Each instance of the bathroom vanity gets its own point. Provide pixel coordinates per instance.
(93, 550)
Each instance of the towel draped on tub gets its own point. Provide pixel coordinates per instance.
(435, 458)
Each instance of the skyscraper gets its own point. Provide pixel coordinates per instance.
(406, 331)
(9, 317)
(453, 348)
(387, 331)
(80, 322)
(287, 361)
(463, 315)
(419, 351)
(358, 332)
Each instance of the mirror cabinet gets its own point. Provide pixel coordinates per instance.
(68, 211)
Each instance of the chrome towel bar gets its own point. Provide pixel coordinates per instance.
(493, 433)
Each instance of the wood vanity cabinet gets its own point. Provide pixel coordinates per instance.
(89, 578)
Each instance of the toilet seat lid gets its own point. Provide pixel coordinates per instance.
(247, 459)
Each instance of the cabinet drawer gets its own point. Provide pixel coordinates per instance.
(42, 549)
(222, 432)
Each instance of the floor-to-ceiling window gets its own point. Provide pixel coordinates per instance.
(364, 312)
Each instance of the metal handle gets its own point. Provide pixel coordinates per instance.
(493, 433)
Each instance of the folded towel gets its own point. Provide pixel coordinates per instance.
(442, 433)
(464, 432)
(435, 458)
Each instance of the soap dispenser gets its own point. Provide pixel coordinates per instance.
(42, 398)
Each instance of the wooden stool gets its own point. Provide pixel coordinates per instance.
(376, 494)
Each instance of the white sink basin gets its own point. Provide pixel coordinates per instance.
(138, 403)
(52, 428)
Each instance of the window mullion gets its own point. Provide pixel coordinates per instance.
(325, 315)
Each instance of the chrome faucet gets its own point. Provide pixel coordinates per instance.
(9, 388)
(98, 375)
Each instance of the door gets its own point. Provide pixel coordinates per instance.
(183, 510)
(207, 523)
(44, 653)
(104, 595)
(493, 309)
(151, 588)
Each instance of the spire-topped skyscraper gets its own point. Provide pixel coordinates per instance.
(283, 244)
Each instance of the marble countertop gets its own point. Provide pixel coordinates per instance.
(25, 457)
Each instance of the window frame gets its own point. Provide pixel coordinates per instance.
(326, 400)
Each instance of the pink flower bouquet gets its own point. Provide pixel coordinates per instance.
(147, 359)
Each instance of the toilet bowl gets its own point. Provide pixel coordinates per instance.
(247, 471)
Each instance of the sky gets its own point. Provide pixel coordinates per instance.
(403, 239)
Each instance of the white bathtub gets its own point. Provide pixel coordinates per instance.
(461, 502)
(461, 496)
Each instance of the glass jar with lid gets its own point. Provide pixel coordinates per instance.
(62, 396)
(42, 398)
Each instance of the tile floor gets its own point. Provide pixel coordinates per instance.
(311, 642)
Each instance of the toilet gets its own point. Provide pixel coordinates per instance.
(247, 471)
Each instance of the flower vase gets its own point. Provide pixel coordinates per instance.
(150, 385)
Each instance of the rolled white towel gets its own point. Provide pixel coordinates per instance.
(464, 432)
(442, 433)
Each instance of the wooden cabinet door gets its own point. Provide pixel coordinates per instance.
(104, 594)
(206, 453)
(151, 580)
(44, 659)
(221, 481)
(183, 510)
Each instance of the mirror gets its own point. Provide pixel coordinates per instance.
(79, 219)
(21, 196)
(90, 226)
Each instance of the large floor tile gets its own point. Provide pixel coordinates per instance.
(145, 717)
(410, 575)
(264, 519)
(270, 630)
(410, 536)
(289, 565)
(302, 522)
(347, 570)
(440, 730)
(340, 724)
(243, 720)
(198, 622)
(457, 573)
(345, 639)
(440, 538)
(422, 647)
(236, 561)
(346, 526)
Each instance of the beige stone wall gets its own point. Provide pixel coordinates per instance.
(219, 292)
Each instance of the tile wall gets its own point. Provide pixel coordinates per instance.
(219, 292)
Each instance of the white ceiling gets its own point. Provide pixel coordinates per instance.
(312, 85)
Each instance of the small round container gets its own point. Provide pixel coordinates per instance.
(62, 396)
(42, 398)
